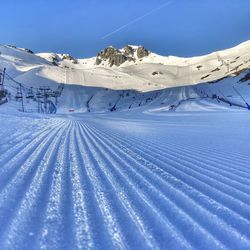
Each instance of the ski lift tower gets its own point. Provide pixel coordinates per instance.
(45, 91)
(241, 96)
(2, 76)
(19, 97)
(30, 93)
(38, 99)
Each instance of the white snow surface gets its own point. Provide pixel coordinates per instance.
(168, 169)
(87, 84)
(138, 75)
(175, 180)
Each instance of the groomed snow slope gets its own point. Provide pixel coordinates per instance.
(198, 97)
(149, 73)
(125, 181)
(89, 87)
(168, 170)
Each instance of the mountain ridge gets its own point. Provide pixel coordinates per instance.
(146, 72)
(93, 88)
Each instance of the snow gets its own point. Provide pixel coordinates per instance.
(167, 169)
(136, 75)
(125, 180)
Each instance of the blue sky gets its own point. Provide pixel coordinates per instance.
(177, 27)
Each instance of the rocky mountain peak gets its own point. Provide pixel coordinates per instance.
(142, 52)
(117, 57)
(128, 50)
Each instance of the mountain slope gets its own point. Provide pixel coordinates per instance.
(136, 82)
(168, 170)
(125, 180)
(147, 73)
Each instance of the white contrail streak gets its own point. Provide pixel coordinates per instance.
(137, 19)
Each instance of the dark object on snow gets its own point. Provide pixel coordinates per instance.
(28, 51)
(204, 77)
(3, 94)
(245, 78)
(217, 69)
(157, 73)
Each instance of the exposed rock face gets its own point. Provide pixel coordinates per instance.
(108, 53)
(28, 51)
(117, 60)
(69, 57)
(98, 61)
(118, 57)
(24, 49)
(113, 55)
(11, 46)
(128, 51)
(55, 59)
(142, 52)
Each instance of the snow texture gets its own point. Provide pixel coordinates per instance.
(169, 169)
(171, 181)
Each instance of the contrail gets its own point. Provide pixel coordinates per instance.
(137, 19)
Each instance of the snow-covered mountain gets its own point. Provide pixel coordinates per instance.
(141, 70)
(154, 175)
(132, 76)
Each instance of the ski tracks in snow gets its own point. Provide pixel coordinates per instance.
(77, 185)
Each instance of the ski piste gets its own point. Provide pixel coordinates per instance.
(119, 181)
(110, 167)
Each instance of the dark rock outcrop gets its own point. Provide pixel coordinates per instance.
(157, 73)
(98, 61)
(142, 52)
(55, 59)
(69, 57)
(245, 78)
(28, 51)
(112, 55)
(128, 51)
(117, 57)
(108, 53)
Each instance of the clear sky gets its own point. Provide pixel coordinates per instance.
(83, 27)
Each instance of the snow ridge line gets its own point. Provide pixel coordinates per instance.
(245, 227)
(99, 229)
(54, 229)
(23, 141)
(127, 193)
(81, 208)
(18, 156)
(20, 135)
(22, 178)
(196, 149)
(162, 201)
(29, 205)
(105, 199)
(240, 182)
(172, 163)
(229, 165)
(202, 149)
(87, 186)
